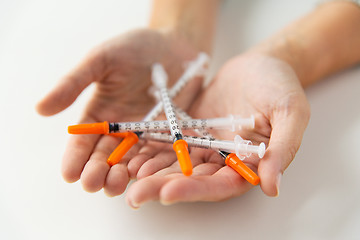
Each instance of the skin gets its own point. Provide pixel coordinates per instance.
(267, 81)
(120, 68)
(278, 114)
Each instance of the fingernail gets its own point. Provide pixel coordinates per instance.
(166, 203)
(108, 194)
(278, 181)
(134, 205)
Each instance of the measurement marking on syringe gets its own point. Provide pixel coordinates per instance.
(163, 125)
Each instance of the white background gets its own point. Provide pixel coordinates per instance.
(41, 40)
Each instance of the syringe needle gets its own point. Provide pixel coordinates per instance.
(159, 78)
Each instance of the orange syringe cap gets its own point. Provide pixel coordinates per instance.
(130, 140)
(235, 163)
(90, 128)
(182, 153)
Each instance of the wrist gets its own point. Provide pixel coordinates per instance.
(197, 41)
(288, 49)
(319, 44)
(193, 21)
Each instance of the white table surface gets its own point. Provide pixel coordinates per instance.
(41, 40)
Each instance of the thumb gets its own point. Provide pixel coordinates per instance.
(70, 87)
(285, 140)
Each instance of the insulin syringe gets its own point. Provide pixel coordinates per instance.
(242, 148)
(159, 78)
(231, 123)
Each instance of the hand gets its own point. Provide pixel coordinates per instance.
(249, 84)
(121, 70)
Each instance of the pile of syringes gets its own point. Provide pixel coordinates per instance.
(170, 130)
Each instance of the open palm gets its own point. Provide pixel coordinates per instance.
(248, 84)
(121, 70)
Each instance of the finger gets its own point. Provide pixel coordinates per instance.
(148, 151)
(116, 180)
(77, 153)
(206, 169)
(160, 161)
(145, 190)
(197, 157)
(135, 164)
(285, 140)
(224, 184)
(69, 88)
(96, 169)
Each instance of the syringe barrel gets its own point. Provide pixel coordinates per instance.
(154, 112)
(165, 137)
(242, 149)
(198, 142)
(220, 123)
(193, 69)
(170, 114)
(158, 76)
(160, 137)
(160, 125)
(232, 123)
(239, 122)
